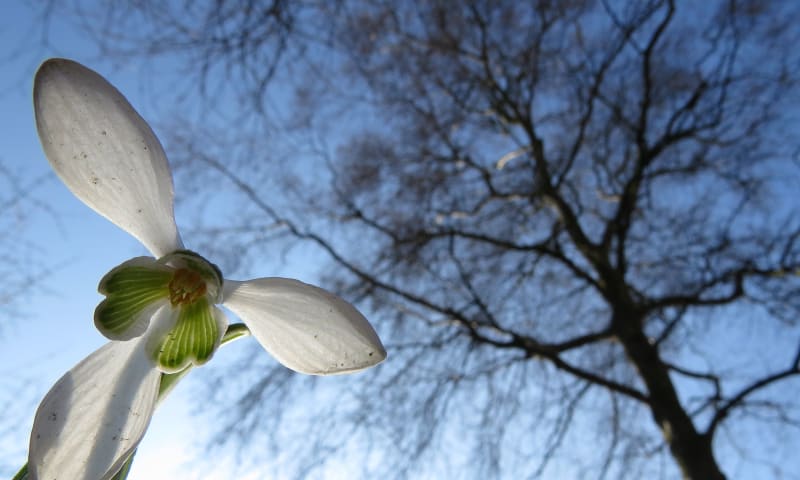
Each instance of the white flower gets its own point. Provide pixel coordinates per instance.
(159, 312)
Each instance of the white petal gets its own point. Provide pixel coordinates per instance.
(95, 415)
(105, 153)
(305, 327)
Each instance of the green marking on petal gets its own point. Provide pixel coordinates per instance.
(193, 339)
(125, 277)
(131, 289)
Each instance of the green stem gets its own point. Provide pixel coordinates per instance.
(22, 474)
(168, 382)
(235, 331)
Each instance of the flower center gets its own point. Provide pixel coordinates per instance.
(185, 287)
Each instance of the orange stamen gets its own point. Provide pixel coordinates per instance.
(185, 287)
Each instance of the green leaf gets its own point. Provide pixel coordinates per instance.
(193, 339)
(132, 289)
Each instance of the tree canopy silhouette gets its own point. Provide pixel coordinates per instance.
(575, 222)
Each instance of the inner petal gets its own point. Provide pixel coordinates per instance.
(192, 339)
(133, 290)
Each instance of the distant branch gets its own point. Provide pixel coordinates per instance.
(739, 399)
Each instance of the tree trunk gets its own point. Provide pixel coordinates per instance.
(691, 449)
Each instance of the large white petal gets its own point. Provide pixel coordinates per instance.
(305, 327)
(105, 153)
(95, 415)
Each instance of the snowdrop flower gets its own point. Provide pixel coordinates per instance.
(159, 312)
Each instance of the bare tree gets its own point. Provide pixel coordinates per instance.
(19, 255)
(576, 222)
(22, 272)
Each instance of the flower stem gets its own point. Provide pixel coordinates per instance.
(22, 474)
(235, 331)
